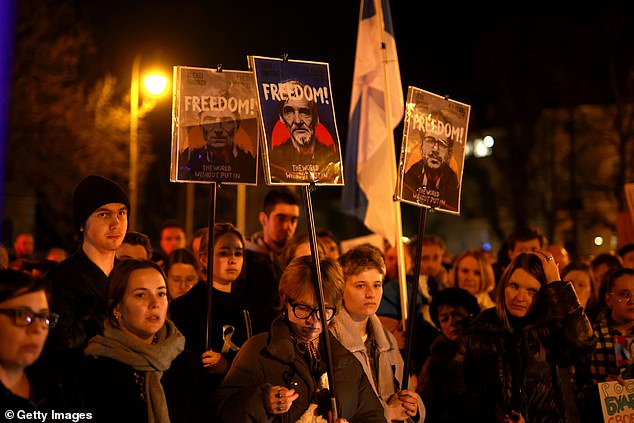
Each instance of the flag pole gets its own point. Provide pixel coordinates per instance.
(398, 230)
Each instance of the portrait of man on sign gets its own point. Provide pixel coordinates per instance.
(215, 131)
(432, 180)
(300, 145)
(220, 154)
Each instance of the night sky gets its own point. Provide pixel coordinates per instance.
(460, 52)
(496, 57)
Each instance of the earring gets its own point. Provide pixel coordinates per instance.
(117, 315)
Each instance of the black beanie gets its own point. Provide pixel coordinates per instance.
(93, 192)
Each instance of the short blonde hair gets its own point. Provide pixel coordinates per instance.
(298, 278)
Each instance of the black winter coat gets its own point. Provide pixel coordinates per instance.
(271, 359)
(521, 370)
(78, 290)
(114, 391)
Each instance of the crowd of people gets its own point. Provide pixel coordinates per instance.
(117, 331)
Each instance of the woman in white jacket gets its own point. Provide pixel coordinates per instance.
(358, 328)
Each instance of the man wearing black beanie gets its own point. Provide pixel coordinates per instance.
(78, 285)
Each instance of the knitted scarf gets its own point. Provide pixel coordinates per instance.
(151, 359)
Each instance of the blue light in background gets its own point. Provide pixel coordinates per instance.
(7, 23)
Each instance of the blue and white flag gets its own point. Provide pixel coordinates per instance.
(370, 164)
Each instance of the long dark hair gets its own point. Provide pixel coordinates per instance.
(531, 264)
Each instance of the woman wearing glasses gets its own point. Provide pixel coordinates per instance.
(280, 375)
(612, 359)
(137, 370)
(514, 355)
(25, 320)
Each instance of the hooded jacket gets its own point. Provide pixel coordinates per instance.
(390, 363)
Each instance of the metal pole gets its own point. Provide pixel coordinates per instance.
(319, 289)
(189, 209)
(241, 208)
(134, 143)
(210, 260)
(422, 219)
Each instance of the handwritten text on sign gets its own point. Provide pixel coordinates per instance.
(617, 401)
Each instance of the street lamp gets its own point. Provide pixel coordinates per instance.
(155, 84)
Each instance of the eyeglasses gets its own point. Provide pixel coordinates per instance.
(623, 295)
(25, 317)
(302, 311)
(436, 142)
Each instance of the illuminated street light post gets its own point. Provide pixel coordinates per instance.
(155, 84)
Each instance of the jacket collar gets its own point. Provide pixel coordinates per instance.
(280, 342)
(345, 330)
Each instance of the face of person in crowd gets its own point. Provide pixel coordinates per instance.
(362, 294)
(303, 316)
(105, 227)
(581, 281)
(431, 260)
(20, 346)
(279, 226)
(143, 309)
(298, 118)
(448, 317)
(435, 151)
(196, 245)
(180, 279)
(520, 293)
(620, 300)
(599, 272)
(219, 128)
(628, 260)
(524, 247)
(57, 255)
(129, 251)
(171, 239)
(24, 245)
(228, 258)
(332, 249)
(391, 263)
(468, 275)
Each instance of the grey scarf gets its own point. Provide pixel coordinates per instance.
(151, 359)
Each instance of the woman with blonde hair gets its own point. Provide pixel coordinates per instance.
(473, 273)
